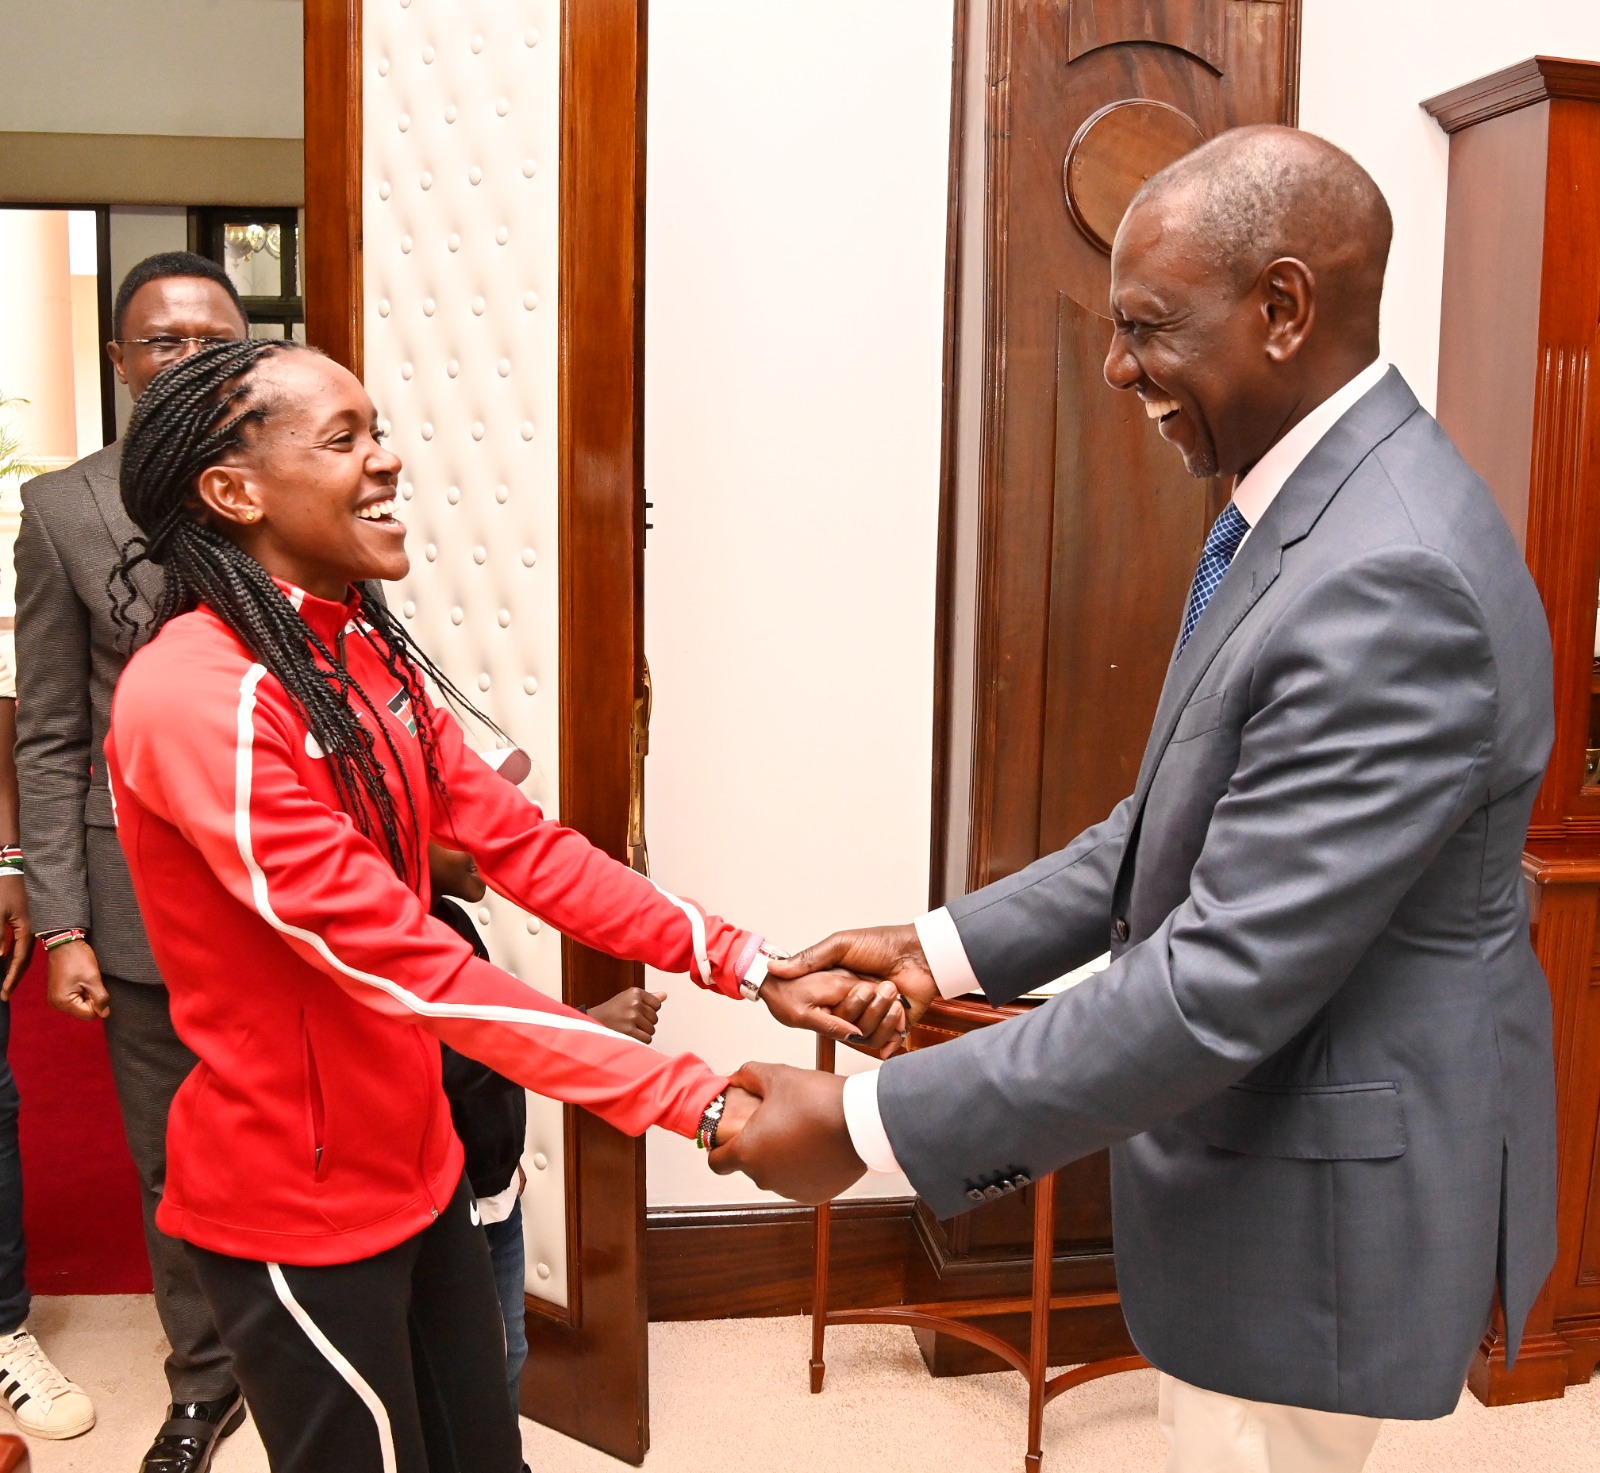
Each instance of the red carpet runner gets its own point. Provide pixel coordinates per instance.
(80, 1194)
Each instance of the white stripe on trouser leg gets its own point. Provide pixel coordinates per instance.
(347, 1372)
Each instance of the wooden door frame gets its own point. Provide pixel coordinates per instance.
(589, 1363)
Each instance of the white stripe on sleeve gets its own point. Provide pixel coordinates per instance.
(492, 1013)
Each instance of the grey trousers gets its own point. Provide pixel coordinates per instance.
(148, 1063)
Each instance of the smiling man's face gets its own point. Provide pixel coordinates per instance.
(1190, 343)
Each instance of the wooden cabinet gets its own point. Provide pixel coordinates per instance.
(1519, 392)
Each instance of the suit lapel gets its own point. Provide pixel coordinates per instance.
(106, 493)
(1293, 513)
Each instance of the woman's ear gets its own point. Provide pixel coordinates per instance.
(226, 493)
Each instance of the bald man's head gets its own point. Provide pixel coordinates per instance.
(1245, 285)
(1252, 195)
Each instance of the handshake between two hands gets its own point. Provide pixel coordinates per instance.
(784, 1127)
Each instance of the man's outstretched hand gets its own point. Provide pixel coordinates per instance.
(892, 953)
(793, 1140)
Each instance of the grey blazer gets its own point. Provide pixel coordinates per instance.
(69, 655)
(1322, 1054)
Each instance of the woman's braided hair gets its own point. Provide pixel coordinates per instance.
(193, 414)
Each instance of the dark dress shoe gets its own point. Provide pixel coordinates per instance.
(188, 1438)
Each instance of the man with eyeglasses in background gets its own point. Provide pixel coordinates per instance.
(69, 655)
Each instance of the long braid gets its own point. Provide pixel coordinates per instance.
(193, 414)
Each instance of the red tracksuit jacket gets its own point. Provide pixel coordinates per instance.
(307, 976)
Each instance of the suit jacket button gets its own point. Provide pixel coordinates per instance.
(975, 1194)
(1119, 929)
(990, 1193)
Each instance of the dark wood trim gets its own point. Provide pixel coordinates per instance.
(1291, 64)
(986, 638)
(589, 1376)
(949, 440)
(716, 1263)
(332, 272)
(105, 296)
(1538, 79)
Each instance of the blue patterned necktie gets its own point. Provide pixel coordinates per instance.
(1223, 540)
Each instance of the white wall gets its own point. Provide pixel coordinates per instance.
(1365, 65)
(198, 68)
(794, 323)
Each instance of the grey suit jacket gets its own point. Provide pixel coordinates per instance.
(69, 655)
(1322, 1054)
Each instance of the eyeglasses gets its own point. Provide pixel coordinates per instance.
(170, 347)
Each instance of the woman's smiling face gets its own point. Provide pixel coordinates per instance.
(311, 497)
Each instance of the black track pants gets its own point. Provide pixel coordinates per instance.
(392, 1364)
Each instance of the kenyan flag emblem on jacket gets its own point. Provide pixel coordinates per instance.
(400, 704)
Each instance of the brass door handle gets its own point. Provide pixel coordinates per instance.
(638, 848)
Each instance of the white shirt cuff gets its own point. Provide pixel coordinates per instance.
(865, 1124)
(947, 957)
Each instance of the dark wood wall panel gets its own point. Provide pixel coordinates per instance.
(713, 1263)
(1124, 513)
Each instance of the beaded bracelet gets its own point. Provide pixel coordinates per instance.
(52, 939)
(706, 1136)
(11, 861)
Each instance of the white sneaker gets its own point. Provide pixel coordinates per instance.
(42, 1400)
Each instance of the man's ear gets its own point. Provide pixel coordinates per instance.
(1289, 305)
(114, 353)
(228, 494)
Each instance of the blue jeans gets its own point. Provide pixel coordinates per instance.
(14, 1298)
(507, 1255)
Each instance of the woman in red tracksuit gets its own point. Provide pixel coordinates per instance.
(278, 769)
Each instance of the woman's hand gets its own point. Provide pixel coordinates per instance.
(840, 1005)
(74, 985)
(892, 953)
(632, 1012)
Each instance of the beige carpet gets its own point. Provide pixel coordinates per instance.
(731, 1397)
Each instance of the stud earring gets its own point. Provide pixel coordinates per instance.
(251, 515)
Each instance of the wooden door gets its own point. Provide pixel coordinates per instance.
(587, 1373)
(1069, 531)
(1070, 528)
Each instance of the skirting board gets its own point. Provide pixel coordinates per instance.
(713, 1263)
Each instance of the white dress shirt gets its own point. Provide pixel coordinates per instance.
(941, 942)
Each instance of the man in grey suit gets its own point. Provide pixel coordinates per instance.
(70, 652)
(1321, 1053)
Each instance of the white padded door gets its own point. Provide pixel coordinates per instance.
(461, 204)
